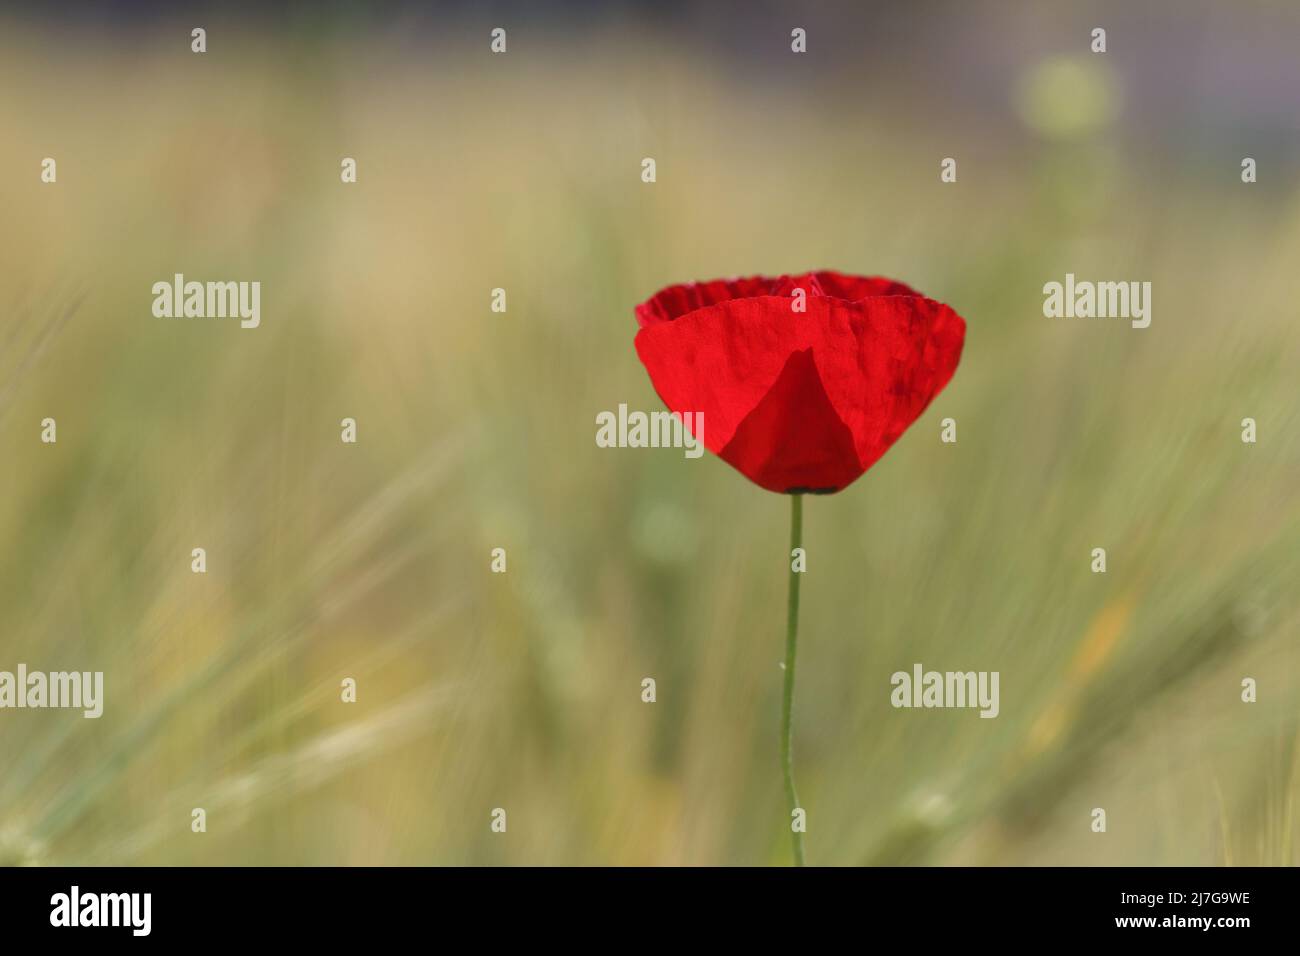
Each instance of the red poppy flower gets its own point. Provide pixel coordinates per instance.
(799, 401)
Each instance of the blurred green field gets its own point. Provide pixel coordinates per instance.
(476, 431)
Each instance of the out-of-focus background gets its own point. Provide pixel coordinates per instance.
(476, 431)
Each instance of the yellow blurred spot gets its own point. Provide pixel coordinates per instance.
(1099, 640)
(1094, 650)
(1067, 97)
(1047, 729)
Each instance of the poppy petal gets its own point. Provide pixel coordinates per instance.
(677, 300)
(840, 286)
(878, 361)
(792, 433)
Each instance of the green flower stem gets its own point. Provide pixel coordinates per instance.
(787, 697)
